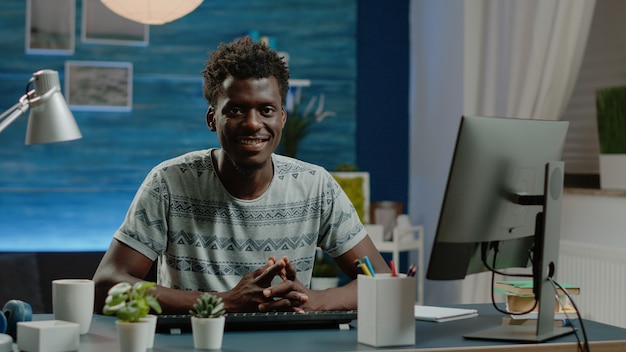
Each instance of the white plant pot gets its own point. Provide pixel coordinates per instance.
(322, 283)
(613, 171)
(207, 332)
(133, 337)
(152, 320)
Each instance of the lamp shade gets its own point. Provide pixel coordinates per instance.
(50, 118)
(152, 11)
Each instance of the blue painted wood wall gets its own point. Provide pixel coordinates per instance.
(79, 191)
(168, 111)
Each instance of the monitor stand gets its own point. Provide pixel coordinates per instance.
(518, 333)
(546, 255)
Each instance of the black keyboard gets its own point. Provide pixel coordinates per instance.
(177, 324)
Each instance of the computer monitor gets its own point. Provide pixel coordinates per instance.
(502, 206)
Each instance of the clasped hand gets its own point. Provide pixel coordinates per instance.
(255, 291)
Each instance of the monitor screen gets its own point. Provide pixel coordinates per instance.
(494, 159)
(502, 209)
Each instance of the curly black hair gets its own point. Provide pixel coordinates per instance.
(243, 58)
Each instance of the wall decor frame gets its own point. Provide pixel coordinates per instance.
(99, 85)
(50, 27)
(103, 26)
(356, 185)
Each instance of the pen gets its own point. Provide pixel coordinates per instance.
(412, 270)
(394, 273)
(358, 264)
(369, 265)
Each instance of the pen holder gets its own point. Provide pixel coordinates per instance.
(385, 310)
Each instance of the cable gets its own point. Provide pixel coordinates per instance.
(495, 246)
(493, 278)
(557, 286)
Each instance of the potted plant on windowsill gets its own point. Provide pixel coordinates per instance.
(132, 304)
(611, 118)
(207, 322)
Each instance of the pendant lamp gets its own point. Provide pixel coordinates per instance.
(152, 11)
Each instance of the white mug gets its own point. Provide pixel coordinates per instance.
(73, 301)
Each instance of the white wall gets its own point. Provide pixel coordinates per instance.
(436, 106)
(436, 99)
(595, 219)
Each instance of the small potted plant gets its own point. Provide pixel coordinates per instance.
(131, 304)
(325, 272)
(207, 322)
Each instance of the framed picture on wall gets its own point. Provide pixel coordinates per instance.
(356, 185)
(99, 85)
(50, 27)
(103, 26)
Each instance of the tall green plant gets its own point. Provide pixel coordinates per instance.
(299, 123)
(611, 118)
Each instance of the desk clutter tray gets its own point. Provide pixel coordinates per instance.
(177, 324)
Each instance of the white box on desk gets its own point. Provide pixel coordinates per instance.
(48, 336)
(385, 310)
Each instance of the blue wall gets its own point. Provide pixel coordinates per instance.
(382, 97)
(75, 194)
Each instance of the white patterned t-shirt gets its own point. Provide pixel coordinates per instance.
(205, 239)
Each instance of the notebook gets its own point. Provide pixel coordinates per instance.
(443, 314)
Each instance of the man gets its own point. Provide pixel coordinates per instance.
(238, 220)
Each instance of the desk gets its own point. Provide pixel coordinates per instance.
(429, 337)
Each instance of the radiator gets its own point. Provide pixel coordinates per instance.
(601, 274)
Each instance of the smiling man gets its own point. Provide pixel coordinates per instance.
(239, 220)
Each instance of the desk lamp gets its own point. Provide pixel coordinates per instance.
(50, 118)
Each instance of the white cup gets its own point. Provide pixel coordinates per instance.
(73, 301)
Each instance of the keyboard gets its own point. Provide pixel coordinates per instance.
(177, 324)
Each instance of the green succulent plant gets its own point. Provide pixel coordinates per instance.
(208, 306)
(131, 302)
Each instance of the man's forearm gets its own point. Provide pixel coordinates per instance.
(339, 298)
(174, 301)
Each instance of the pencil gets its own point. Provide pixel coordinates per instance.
(367, 262)
(365, 269)
(394, 273)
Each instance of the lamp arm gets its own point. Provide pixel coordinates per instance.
(23, 105)
(14, 112)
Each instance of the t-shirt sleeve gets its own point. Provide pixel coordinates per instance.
(145, 227)
(342, 229)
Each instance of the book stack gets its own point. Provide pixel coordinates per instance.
(520, 298)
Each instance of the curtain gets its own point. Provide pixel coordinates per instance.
(521, 60)
(523, 57)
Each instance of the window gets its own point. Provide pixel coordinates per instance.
(604, 65)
